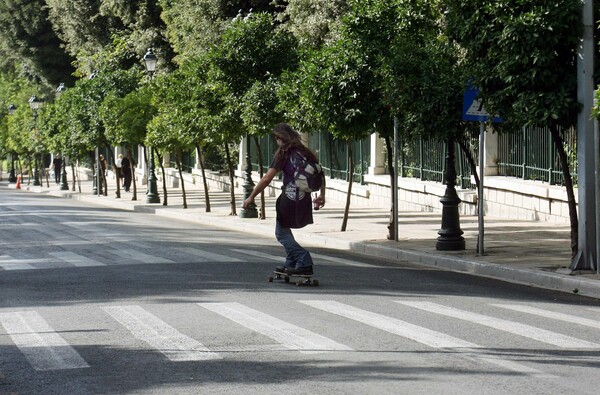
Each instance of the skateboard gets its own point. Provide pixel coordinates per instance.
(303, 279)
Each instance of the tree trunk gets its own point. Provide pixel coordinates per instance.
(350, 180)
(178, 161)
(133, 166)
(162, 168)
(231, 180)
(75, 179)
(117, 173)
(564, 164)
(263, 214)
(45, 171)
(390, 159)
(78, 177)
(204, 182)
(470, 159)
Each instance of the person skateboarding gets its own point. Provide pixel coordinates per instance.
(293, 206)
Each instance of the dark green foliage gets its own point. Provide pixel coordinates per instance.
(29, 42)
(522, 56)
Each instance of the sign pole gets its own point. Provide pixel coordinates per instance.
(473, 110)
(395, 180)
(480, 200)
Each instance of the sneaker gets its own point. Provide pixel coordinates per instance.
(280, 269)
(305, 270)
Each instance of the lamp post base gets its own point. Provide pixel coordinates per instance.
(248, 186)
(152, 193)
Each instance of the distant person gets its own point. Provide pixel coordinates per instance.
(293, 207)
(118, 163)
(57, 166)
(126, 172)
(102, 175)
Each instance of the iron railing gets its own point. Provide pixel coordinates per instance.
(426, 160)
(531, 155)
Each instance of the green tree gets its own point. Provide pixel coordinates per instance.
(313, 22)
(335, 89)
(522, 56)
(194, 26)
(89, 30)
(251, 53)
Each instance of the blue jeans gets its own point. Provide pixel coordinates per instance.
(296, 256)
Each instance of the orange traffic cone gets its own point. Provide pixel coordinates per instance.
(18, 186)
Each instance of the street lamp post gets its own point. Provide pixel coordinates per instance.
(450, 238)
(150, 59)
(96, 187)
(34, 104)
(64, 185)
(248, 186)
(12, 177)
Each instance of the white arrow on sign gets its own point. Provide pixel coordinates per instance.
(477, 109)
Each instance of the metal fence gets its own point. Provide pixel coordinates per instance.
(426, 160)
(531, 155)
(188, 160)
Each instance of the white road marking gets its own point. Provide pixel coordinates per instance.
(506, 364)
(206, 256)
(290, 336)
(281, 258)
(150, 329)
(39, 343)
(551, 314)
(261, 255)
(392, 325)
(342, 260)
(75, 259)
(16, 266)
(422, 335)
(134, 255)
(516, 328)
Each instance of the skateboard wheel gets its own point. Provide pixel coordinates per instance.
(270, 279)
(286, 279)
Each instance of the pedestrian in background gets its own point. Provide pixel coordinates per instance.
(293, 206)
(57, 166)
(126, 172)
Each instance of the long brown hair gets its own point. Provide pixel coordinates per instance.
(291, 140)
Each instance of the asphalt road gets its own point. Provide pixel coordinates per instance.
(99, 301)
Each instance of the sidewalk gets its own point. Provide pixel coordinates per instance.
(520, 252)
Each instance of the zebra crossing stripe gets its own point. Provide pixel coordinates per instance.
(551, 314)
(397, 327)
(16, 266)
(39, 343)
(260, 255)
(75, 259)
(290, 336)
(341, 260)
(280, 258)
(516, 328)
(206, 256)
(7, 262)
(134, 255)
(150, 329)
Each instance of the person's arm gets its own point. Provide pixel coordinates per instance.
(260, 186)
(321, 198)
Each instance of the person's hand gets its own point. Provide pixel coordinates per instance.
(247, 203)
(319, 201)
